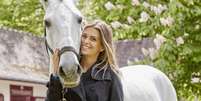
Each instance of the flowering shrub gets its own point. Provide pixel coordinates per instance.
(26, 15)
(175, 26)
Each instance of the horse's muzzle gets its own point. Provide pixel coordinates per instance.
(70, 78)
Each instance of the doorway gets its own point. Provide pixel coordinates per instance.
(20, 93)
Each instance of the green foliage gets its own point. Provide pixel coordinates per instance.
(26, 15)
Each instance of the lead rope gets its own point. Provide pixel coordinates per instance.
(63, 93)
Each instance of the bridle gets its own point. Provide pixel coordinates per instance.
(62, 50)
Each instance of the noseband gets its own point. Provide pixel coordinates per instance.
(63, 49)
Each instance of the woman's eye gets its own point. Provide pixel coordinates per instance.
(84, 36)
(93, 39)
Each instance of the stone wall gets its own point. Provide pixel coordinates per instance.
(128, 51)
(22, 52)
(22, 56)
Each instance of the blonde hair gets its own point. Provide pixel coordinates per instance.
(107, 57)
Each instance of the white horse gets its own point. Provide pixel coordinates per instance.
(63, 24)
(146, 83)
(62, 30)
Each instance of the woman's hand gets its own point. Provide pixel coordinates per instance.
(55, 59)
(54, 92)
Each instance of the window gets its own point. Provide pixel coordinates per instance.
(20, 93)
(1, 97)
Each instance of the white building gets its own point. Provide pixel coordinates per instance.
(23, 66)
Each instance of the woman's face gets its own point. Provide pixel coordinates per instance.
(91, 42)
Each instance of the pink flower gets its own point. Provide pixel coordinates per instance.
(144, 16)
(152, 53)
(159, 9)
(130, 20)
(166, 21)
(109, 6)
(146, 4)
(179, 41)
(145, 51)
(159, 40)
(135, 2)
(116, 24)
(195, 80)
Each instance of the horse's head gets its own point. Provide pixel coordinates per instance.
(62, 26)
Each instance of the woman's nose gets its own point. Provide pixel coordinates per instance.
(86, 40)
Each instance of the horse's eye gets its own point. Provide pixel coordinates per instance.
(47, 23)
(46, 0)
(79, 20)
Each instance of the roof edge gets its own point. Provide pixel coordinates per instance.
(26, 81)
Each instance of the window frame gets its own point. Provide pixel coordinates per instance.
(1, 97)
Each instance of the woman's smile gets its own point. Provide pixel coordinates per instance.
(85, 47)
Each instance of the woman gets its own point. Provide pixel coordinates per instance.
(100, 81)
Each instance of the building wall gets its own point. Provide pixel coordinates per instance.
(130, 51)
(4, 89)
(39, 90)
(34, 47)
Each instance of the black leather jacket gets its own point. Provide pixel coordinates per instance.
(104, 85)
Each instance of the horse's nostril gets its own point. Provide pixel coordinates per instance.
(61, 72)
(79, 20)
(47, 23)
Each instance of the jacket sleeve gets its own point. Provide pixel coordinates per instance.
(116, 91)
(73, 95)
(54, 92)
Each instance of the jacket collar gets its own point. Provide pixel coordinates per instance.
(98, 73)
(101, 74)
